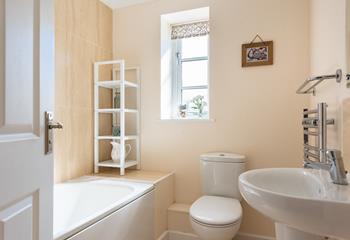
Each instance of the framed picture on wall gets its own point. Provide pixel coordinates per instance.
(257, 54)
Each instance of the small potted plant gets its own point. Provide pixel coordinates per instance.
(199, 104)
(182, 110)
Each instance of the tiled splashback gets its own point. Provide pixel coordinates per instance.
(83, 36)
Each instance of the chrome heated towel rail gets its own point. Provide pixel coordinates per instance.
(315, 124)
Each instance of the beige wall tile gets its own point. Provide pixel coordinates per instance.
(105, 150)
(164, 197)
(90, 18)
(80, 58)
(61, 90)
(72, 15)
(60, 139)
(78, 31)
(60, 14)
(104, 22)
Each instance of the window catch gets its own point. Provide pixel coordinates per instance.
(178, 57)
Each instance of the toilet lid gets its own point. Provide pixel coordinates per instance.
(213, 210)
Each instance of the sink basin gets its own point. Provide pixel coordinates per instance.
(305, 199)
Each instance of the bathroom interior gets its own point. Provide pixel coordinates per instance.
(174, 120)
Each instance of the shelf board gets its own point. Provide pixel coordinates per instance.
(129, 137)
(109, 62)
(112, 84)
(116, 110)
(110, 163)
(127, 68)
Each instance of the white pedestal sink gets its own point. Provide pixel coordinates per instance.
(304, 203)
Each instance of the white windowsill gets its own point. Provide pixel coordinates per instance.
(188, 120)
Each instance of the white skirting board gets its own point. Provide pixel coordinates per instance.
(173, 235)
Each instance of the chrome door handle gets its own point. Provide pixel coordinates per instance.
(55, 125)
(50, 125)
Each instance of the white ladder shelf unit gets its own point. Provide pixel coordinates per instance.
(120, 112)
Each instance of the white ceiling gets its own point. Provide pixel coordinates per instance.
(123, 3)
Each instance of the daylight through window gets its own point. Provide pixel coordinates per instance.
(190, 70)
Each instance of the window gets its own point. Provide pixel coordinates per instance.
(185, 65)
(190, 77)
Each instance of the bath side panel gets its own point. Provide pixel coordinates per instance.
(132, 222)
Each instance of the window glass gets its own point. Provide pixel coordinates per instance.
(195, 47)
(188, 97)
(195, 73)
(193, 76)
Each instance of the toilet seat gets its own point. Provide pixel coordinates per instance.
(214, 211)
(213, 226)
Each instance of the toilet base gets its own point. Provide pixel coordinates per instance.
(206, 232)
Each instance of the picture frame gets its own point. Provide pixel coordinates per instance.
(257, 54)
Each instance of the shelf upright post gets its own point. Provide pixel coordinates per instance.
(138, 116)
(114, 93)
(96, 123)
(122, 118)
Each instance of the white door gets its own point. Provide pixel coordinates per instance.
(26, 91)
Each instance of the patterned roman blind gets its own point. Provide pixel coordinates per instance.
(190, 30)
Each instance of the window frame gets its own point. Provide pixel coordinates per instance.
(177, 83)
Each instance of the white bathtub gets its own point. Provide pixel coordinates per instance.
(88, 207)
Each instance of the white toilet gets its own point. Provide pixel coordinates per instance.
(217, 215)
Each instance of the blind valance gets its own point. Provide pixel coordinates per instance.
(190, 30)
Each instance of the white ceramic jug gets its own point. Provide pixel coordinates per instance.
(115, 154)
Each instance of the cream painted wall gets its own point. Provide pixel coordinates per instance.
(2, 66)
(329, 47)
(348, 33)
(256, 110)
